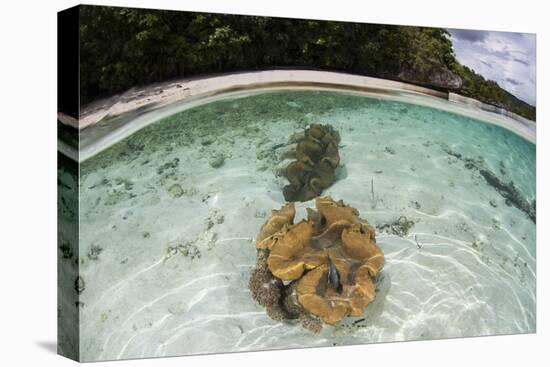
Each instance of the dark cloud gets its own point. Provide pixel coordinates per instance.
(513, 81)
(486, 64)
(469, 35)
(521, 61)
(503, 54)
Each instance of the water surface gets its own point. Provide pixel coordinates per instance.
(167, 240)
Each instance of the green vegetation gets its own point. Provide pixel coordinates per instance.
(488, 91)
(122, 47)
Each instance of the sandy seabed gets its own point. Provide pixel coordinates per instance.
(167, 240)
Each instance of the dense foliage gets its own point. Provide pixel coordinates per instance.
(123, 47)
(488, 91)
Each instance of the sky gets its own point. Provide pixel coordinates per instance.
(505, 57)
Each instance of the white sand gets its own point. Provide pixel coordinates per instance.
(473, 275)
(105, 122)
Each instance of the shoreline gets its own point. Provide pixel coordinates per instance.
(105, 122)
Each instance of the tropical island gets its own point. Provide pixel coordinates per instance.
(125, 47)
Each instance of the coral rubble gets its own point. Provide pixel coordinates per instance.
(318, 270)
(507, 190)
(316, 158)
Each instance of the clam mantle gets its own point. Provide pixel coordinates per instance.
(291, 279)
(316, 159)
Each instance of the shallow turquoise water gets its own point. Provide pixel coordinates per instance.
(466, 268)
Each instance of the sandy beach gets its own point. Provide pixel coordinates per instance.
(107, 121)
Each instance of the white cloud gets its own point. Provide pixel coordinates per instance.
(505, 57)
